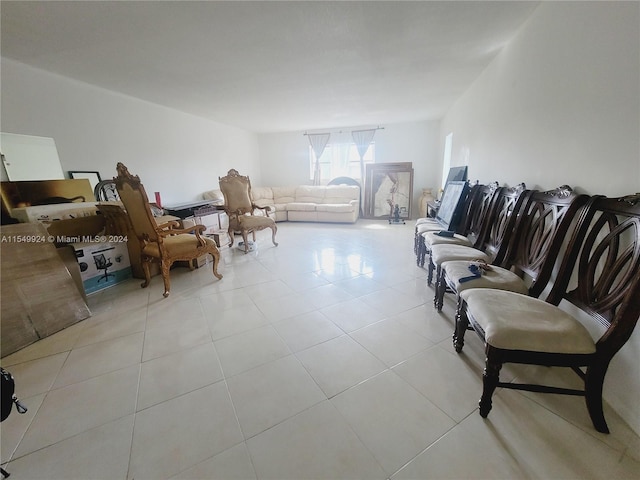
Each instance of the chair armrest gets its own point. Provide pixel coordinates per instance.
(171, 224)
(197, 229)
(266, 209)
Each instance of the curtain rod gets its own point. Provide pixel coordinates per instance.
(340, 131)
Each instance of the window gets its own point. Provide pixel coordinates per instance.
(446, 163)
(340, 160)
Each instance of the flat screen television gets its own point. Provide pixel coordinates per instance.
(456, 174)
(452, 203)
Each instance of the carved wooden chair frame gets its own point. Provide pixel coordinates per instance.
(238, 220)
(153, 237)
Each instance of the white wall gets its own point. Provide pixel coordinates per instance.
(177, 154)
(561, 105)
(285, 156)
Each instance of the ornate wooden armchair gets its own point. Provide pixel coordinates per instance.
(239, 206)
(599, 277)
(164, 243)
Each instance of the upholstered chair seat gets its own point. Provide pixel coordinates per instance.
(422, 220)
(512, 321)
(252, 222)
(433, 238)
(177, 245)
(497, 277)
(445, 253)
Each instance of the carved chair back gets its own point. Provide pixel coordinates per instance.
(478, 210)
(502, 220)
(136, 203)
(540, 232)
(601, 272)
(236, 190)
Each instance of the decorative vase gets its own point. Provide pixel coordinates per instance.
(426, 197)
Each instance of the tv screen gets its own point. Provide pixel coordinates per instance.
(450, 209)
(456, 174)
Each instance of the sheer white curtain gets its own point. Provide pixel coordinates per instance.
(318, 142)
(363, 139)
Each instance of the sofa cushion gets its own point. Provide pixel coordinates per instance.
(262, 196)
(341, 193)
(283, 195)
(213, 195)
(310, 193)
(301, 207)
(335, 207)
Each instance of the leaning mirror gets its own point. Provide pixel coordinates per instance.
(388, 185)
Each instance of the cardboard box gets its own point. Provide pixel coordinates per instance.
(102, 264)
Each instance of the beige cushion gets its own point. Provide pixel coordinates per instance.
(432, 238)
(335, 207)
(262, 195)
(253, 221)
(428, 227)
(445, 253)
(301, 206)
(341, 194)
(499, 278)
(422, 220)
(310, 193)
(512, 321)
(213, 195)
(176, 245)
(283, 194)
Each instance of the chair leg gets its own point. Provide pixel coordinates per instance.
(216, 261)
(490, 379)
(462, 324)
(594, 380)
(274, 229)
(441, 288)
(147, 273)
(421, 251)
(231, 237)
(244, 239)
(430, 275)
(165, 267)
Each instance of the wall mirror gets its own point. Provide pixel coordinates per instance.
(388, 185)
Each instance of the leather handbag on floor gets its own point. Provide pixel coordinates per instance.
(7, 390)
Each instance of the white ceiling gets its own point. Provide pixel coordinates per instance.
(270, 66)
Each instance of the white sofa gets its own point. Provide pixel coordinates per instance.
(306, 203)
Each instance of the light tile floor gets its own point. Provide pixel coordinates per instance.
(321, 358)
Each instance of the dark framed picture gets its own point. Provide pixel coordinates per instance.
(93, 177)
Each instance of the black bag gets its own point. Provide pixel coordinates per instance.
(7, 390)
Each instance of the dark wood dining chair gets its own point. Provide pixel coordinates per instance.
(599, 278)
